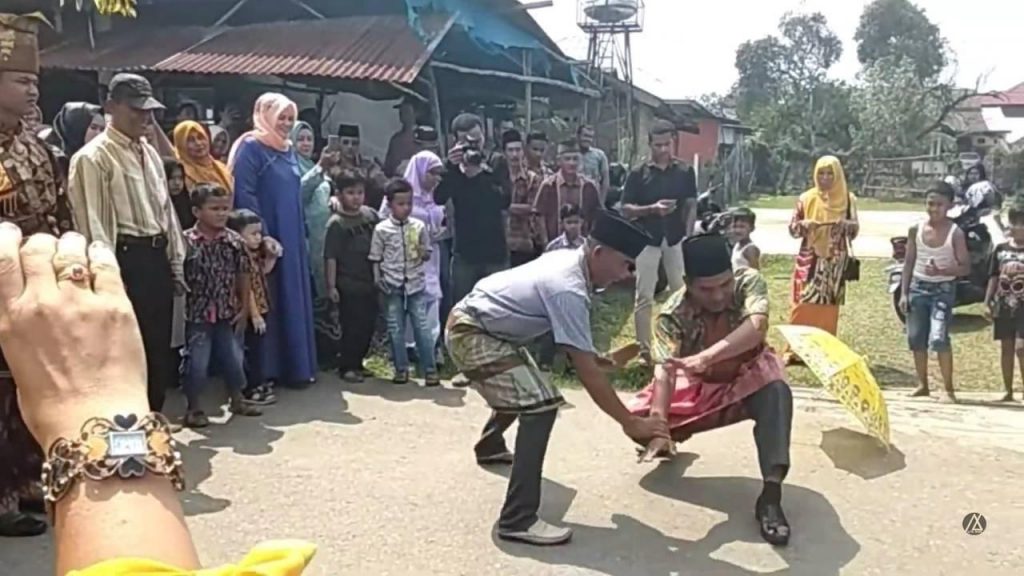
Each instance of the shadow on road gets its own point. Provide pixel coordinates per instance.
(820, 545)
(860, 454)
(445, 396)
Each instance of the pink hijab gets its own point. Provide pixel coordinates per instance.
(265, 114)
(424, 207)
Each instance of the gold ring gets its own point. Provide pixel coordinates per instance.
(75, 272)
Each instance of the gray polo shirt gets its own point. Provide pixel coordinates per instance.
(593, 164)
(401, 249)
(549, 294)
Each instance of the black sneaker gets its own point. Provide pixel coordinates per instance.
(260, 396)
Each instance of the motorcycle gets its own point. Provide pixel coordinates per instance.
(970, 289)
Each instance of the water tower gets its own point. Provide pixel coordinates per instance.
(610, 24)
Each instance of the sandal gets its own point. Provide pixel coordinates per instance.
(773, 524)
(196, 419)
(18, 525)
(432, 381)
(400, 378)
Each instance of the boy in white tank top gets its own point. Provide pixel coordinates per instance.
(936, 257)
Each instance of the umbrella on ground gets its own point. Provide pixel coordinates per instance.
(842, 372)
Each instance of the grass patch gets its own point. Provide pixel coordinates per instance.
(867, 324)
(863, 204)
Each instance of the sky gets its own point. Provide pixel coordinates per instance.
(688, 47)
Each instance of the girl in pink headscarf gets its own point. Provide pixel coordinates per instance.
(424, 173)
(267, 181)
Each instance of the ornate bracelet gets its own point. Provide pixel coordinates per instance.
(126, 446)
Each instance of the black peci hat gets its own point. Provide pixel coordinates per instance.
(706, 255)
(619, 234)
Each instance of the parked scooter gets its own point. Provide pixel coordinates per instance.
(970, 289)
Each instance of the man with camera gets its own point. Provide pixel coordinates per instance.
(480, 201)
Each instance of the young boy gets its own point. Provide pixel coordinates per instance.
(349, 273)
(936, 257)
(572, 229)
(217, 272)
(744, 253)
(398, 250)
(262, 253)
(1005, 299)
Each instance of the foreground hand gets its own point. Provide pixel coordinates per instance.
(259, 325)
(644, 430)
(664, 207)
(903, 304)
(335, 204)
(329, 158)
(273, 247)
(696, 364)
(68, 332)
(456, 153)
(658, 448)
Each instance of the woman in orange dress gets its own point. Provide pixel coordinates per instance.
(825, 220)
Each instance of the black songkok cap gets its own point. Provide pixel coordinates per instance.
(348, 131)
(510, 137)
(568, 146)
(619, 234)
(425, 134)
(706, 255)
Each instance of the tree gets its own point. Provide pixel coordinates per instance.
(900, 30)
(784, 92)
(895, 109)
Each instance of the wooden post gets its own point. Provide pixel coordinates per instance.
(528, 72)
(435, 104)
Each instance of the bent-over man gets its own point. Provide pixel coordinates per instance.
(715, 369)
(487, 334)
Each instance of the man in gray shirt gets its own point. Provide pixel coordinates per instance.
(593, 161)
(487, 333)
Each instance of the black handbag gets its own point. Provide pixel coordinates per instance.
(852, 271)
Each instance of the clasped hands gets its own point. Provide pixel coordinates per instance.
(700, 363)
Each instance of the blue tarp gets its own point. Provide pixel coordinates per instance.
(488, 29)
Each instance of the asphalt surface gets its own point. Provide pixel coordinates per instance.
(383, 480)
(876, 229)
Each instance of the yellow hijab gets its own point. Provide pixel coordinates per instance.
(208, 169)
(826, 207)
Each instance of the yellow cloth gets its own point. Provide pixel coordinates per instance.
(279, 558)
(118, 186)
(208, 170)
(825, 207)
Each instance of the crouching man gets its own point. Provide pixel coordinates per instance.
(487, 334)
(715, 369)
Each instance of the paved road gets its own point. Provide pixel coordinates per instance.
(772, 234)
(383, 480)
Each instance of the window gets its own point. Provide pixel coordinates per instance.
(981, 141)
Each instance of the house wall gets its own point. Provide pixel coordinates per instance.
(704, 145)
(1007, 118)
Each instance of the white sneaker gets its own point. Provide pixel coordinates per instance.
(540, 534)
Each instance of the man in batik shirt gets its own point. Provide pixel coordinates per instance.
(715, 369)
(31, 196)
(351, 157)
(523, 228)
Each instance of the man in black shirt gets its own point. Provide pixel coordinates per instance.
(480, 201)
(661, 196)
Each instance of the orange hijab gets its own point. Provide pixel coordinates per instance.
(208, 169)
(269, 107)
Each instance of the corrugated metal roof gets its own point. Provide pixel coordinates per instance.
(381, 48)
(131, 49)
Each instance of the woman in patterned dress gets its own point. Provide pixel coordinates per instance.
(825, 220)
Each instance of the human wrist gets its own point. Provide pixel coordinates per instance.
(66, 421)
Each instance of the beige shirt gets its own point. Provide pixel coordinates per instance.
(117, 186)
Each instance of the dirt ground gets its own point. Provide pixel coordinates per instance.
(383, 480)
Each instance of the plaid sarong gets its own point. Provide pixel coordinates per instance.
(505, 374)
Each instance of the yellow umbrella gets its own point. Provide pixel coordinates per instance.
(842, 372)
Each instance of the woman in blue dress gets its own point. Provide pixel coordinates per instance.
(267, 181)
